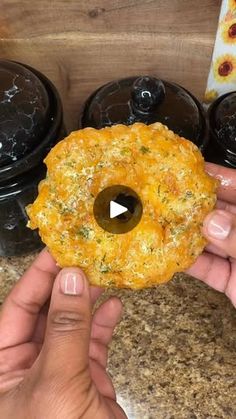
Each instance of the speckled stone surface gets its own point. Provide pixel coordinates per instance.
(173, 355)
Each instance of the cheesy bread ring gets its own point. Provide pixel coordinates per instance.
(165, 170)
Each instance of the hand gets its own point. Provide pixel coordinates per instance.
(53, 360)
(217, 265)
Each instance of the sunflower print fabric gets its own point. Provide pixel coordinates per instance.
(222, 77)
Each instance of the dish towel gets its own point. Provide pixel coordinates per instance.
(222, 77)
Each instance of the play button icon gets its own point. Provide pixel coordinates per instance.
(117, 209)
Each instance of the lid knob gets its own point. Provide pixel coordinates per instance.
(147, 93)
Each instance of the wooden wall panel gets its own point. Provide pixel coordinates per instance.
(80, 50)
(30, 18)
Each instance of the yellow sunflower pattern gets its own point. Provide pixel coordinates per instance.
(232, 4)
(228, 30)
(210, 96)
(222, 76)
(224, 68)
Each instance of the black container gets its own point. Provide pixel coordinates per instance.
(221, 148)
(31, 122)
(146, 99)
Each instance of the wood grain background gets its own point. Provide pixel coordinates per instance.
(82, 44)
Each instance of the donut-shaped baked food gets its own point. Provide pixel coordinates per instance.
(165, 170)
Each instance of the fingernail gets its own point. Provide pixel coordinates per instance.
(219, 226)
(72, 283)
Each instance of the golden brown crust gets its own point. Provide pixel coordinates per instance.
(165, 170)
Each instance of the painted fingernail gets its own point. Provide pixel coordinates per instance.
(72, 282)
(219, 226)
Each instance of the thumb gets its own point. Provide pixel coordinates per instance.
(66, 346)
(220, 229)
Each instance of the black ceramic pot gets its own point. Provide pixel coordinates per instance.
(221, 148)
(146, 99)
(31, 122)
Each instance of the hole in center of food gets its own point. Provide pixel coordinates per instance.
(128, 201)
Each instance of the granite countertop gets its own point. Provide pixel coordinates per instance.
(174, 353)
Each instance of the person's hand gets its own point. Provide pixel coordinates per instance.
(53, 360)
(217, 265)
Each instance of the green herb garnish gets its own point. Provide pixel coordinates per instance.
(189, 194)
(84, 232)
(124, 151)
(144, 149)
(104, 269)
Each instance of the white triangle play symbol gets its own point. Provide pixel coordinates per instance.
(116, 209)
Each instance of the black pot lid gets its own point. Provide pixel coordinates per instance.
(223, 121)
(24, 111)
(145, 99)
